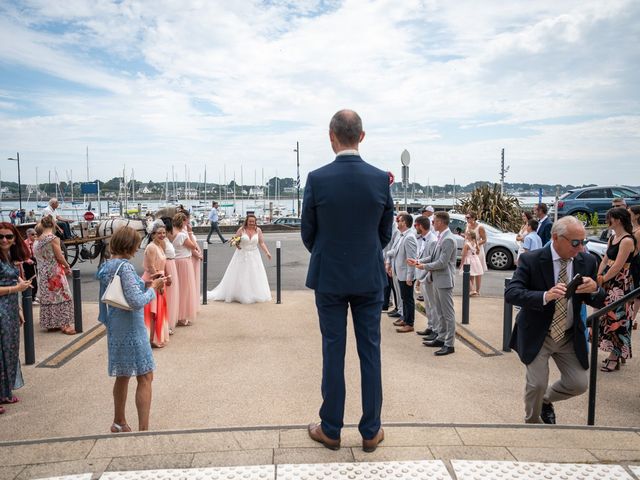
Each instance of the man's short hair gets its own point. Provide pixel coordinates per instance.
(543, 208)
(533, 223)
(444, 216)
(53, 200)
(619, 202)
(346, 125)
(407, 219)
(424, 222)
(561, 227)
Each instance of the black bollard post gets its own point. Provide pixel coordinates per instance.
(205, 262)
(466, 282)
(77, 300)
(593, 371)
(507, 321)
(278, 274)
(27, 313)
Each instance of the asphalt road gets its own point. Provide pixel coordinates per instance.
(295, 260)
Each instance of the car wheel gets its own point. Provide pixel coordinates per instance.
(499, 258)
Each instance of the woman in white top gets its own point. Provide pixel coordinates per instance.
(173, 290)
(188, 302)
(245, 280)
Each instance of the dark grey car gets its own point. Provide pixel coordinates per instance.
(597, 199)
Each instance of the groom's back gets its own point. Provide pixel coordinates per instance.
(346, 221)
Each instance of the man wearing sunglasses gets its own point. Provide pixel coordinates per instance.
(548, 324)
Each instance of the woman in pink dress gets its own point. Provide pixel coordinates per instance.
(173, 290)
(196, 255)
(155, 312)
(188, 303)
(481, 239)
(471, 257)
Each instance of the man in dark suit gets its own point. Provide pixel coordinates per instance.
(346, 270)
(549, 325)
(544, 222)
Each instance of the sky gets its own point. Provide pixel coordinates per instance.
(168, 87)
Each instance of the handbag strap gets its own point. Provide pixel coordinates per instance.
(118, 269)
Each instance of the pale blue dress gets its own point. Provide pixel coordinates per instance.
(127, 337)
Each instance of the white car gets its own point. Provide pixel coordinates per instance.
(501, 249)
(597, 248)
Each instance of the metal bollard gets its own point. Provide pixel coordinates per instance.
(593, 371)
(507, 321)
(77, 300)
(278, 273)
(466, 282)
(27, 313)
(205, 262)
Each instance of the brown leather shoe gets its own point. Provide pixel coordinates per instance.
(399, 323)
(405, 329)
(371, 445)
(316, 434)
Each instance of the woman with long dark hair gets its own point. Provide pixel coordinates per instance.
(12, 251)
(614, 275)
(245, 280)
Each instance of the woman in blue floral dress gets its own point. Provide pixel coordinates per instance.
(127, 338)
(12, 250)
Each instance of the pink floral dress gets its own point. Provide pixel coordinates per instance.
(56, 304)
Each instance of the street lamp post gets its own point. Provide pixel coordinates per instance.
(17, 159)
(297, 150)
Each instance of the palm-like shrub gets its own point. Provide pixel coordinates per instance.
(493, 207)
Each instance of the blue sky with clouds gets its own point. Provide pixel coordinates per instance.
(148, 85)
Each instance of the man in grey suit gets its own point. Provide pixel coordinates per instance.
(405, 248)
(441, 267)
(397, 309)
(426, 243)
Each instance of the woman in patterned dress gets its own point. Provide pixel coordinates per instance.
(12, 250)
(127, 339)
(481, 238)
(614, 275)
(56, 304)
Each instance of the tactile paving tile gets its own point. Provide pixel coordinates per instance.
(483, 470)
(419, 470)
(81, 476)
(261, 472)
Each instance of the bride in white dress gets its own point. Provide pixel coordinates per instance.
(245, 280)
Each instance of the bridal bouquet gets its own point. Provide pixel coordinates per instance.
(235, 241)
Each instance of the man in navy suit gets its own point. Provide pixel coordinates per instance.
(544, 222)
(549, 325)
(347, 215)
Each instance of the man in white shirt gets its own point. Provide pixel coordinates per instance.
(213, 220)
(62, 224)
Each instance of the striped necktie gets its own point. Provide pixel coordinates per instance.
(560, 314)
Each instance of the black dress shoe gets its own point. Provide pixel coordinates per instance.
(433, 343)
(432, 336)
(385, 308)
(394, 314)
(426, 331)
(548, 414)
(445, 351)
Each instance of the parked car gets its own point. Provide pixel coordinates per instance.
(597, 248)
(501, 248)
(288, 221)
(589, 200)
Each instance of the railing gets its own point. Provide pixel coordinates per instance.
(593, 321)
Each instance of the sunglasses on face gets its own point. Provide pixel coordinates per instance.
(575, 242)
(9, 236)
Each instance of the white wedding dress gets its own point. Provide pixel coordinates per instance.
(245, 280)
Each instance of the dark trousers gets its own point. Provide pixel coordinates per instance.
(30, 271)
(408, 302)
(215, 228)
(388, 290)
(66, 229)
(332, 312)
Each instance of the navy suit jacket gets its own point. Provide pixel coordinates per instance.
(532, 278)
(544, 230)
(347, 215)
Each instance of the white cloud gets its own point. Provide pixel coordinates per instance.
(229, 83)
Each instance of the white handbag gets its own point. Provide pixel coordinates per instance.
(113, 295)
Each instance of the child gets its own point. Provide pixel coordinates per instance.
(470, 257)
